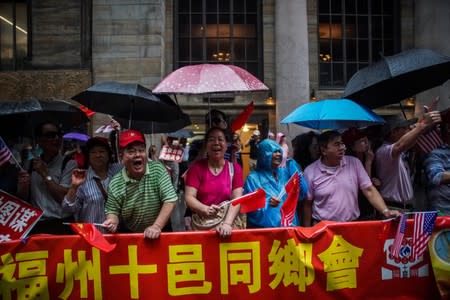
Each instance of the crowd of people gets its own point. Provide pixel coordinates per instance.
(357, 174)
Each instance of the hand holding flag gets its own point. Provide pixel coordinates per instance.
(251, 201)
(93, 236)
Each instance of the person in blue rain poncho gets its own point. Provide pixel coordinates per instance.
(269, 176)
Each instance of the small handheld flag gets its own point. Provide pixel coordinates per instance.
(396, 246)
(423, 227)
(5, 153)
(242, 118)
(251, 201)
(93, 236)
(289, 206)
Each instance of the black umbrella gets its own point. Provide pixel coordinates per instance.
(129, 101)
(397, 77)
(156, 127)
(182, 133)
(20, 117)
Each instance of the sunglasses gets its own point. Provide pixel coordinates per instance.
(51, 134)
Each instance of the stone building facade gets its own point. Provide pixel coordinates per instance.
(76, 43)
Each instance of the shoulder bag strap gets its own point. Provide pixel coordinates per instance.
(100, 186)
(231, 170)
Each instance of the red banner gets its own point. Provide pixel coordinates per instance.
(328, 261)
(16, 217)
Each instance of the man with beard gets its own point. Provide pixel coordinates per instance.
(50, 179)
(333, 182)
(141, 196)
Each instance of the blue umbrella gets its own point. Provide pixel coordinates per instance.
(333, 114)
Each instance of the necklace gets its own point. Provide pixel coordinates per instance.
(216, 170)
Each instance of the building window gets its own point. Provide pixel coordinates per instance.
(219, 31)
(14, 34)
(352, 35)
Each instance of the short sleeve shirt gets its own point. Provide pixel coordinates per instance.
(335, 193)
(213, 189)
(138, 202)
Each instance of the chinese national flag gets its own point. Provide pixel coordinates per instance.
(251, 201)
(289, 206)
(242, 118)
(94, 237)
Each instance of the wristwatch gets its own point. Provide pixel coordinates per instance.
(48, 178)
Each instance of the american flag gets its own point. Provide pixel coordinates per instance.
(423, 226)
(429, 141)
(396, 246)
(5, 154)
(432, 139)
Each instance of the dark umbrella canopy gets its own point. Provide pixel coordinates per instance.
(129, 101)
(182, 133)
(20, 117)
(397, 77)
(156, 127)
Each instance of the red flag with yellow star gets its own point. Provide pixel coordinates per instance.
(288, 209)
(93, 236)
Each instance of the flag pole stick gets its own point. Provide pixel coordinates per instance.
(96, 224)
(16, 162)
(410, 213)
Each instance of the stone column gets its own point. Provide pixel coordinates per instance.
(291, 61)
(431, 31)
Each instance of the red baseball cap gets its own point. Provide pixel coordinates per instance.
(130, 136)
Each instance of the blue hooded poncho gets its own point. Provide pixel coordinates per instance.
(263, 178)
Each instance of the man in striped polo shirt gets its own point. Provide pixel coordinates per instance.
(141, 196)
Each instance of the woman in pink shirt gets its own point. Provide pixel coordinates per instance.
(213, 180)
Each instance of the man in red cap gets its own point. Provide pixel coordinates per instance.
(141, 196)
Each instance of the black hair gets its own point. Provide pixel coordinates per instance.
(325, 137)
(214, 113)
(40, 128)
(94, 142)
(301, 145)
(208, 133)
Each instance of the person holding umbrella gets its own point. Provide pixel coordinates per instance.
(49, 181)
(141, 196)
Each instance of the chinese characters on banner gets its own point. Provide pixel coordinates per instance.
(16, 217)
(330, 261)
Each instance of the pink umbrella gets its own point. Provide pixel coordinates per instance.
(209, 78)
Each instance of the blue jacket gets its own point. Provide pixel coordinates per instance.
(263, 177)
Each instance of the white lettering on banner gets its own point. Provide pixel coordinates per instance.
(7, 211)
(20, 222)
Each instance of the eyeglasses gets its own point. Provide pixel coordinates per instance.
(51, 134)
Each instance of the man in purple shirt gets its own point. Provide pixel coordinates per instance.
(334, 181)
(392, 169)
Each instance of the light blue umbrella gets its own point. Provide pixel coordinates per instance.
(333, 114)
